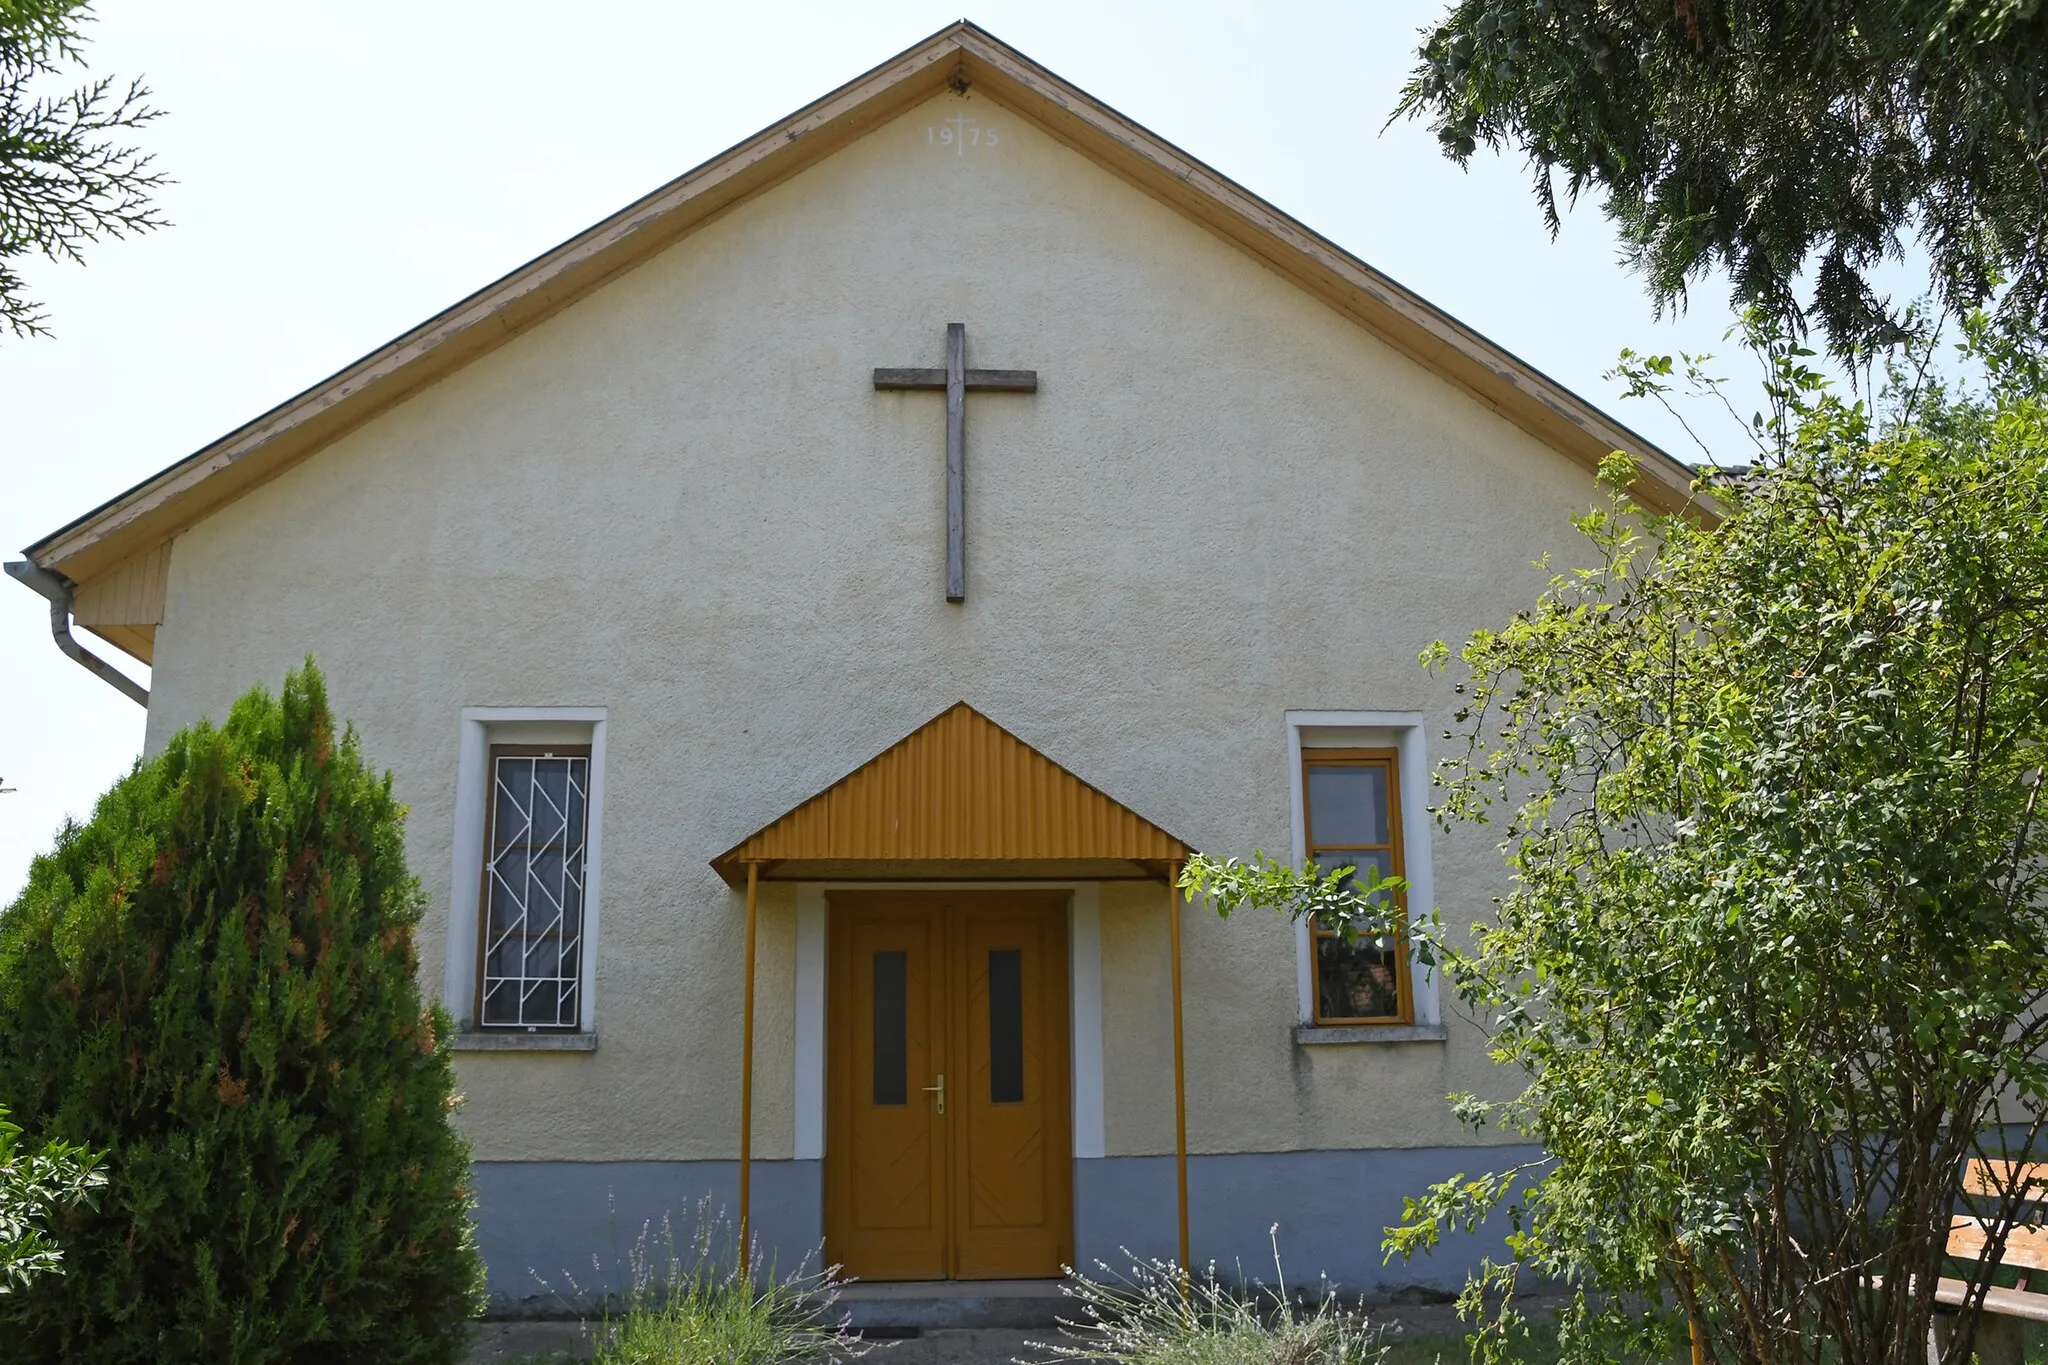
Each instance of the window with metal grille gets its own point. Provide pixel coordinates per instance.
(1352, 804)
(531, 948)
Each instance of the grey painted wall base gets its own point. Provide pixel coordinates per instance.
(1331, 1207)
(558, 1234)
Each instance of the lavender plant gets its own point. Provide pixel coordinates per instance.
(695, 1301)
(1157, 1314)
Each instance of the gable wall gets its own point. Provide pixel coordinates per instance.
(682, 499)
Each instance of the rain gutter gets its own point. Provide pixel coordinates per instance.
(57, 588)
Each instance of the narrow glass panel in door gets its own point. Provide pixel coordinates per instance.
(1012, 1200)
(885, 1146)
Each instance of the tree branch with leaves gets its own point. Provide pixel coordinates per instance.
(1795, 145)
(67, 176)
(34, 1185)
(1772, 960)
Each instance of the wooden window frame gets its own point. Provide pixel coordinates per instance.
(1404, 989)
(492, 753)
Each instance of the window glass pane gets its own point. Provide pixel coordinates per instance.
(1005, 1026)
(508, 892)
(533, 890)
(551, 798)
(542, 1004)
(1347, 804)
(892, 1021)
(513, 793)
(543, 958)
(1355, 980)
(1360, 859)
(576, 798)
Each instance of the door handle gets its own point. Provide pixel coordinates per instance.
(940, 1088)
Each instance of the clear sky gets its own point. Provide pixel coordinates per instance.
(347, 169)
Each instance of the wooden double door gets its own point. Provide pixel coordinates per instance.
(948, 1151)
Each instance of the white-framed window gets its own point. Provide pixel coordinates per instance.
(1359, 783)
(529, 836)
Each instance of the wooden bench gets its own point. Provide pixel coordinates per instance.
(1999, 1338)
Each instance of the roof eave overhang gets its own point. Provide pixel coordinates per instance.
(960, 56)
(733, 871)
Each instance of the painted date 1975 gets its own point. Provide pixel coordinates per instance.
(959, 133)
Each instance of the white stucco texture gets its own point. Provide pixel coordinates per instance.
(682, 499)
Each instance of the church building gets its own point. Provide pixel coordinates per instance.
(813, 615)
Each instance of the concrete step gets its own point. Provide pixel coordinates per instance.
(964, 1346)
(932, 1305)
(529, 1343)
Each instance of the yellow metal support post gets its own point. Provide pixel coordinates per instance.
(1180, 1066)
(747, 1080)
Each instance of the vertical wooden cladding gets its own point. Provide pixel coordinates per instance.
(958, 789)
(126, 603)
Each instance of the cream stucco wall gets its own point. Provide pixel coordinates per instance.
(681, 499)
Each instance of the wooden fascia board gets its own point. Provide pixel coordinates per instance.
(1493, 376)
(168, 502)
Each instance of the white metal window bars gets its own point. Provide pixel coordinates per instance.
(532, 946)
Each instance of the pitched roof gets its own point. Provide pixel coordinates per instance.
(959, 56)
(958, 796)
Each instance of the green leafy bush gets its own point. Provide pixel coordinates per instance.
(213, 983)
(34, 1184)
(1771, 965)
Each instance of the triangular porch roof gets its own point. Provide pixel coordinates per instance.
(958, 797)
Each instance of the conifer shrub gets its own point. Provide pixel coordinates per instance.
(213, 983)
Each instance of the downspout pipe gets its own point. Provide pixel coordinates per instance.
(58, 589)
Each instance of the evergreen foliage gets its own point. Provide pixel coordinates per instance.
(64, 180)
(1773, 137)
(212, 982)
(1772, 960)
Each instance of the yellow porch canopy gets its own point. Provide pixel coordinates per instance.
(960, 797)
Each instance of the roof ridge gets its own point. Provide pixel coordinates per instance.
(191, 488)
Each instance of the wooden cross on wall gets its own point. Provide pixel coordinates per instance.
(956, 379)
